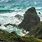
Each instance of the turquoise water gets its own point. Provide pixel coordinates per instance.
(9, 8)
(19, 4)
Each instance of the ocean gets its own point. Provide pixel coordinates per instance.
(10, 8)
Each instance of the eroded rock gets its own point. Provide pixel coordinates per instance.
(31, 19)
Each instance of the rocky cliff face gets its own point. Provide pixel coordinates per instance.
(31, 19)
(37, 31)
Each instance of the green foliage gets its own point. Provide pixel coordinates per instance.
(13, 37)
(30, 39)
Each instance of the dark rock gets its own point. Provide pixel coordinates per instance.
(37, 31)
(31, 19)
(9, 24)
(39, 13)
(0, 24)
(19, 16)
(6, 11)
(3, 40)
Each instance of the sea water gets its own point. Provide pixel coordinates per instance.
(14, 7)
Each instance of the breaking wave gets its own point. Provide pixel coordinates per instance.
(10, 8)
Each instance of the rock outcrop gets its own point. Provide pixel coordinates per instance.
(19, 17)
(31, 19)
(9, 24)
(37, 31)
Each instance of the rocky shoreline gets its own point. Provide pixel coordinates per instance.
(31, 22)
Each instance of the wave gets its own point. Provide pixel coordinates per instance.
(10, 8)
(14, 29)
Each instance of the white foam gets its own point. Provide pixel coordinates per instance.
(38, 7)
(11, 29)
(40, 15)
(8, 14)
(2, 27)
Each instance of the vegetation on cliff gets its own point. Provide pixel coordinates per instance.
(13, 37)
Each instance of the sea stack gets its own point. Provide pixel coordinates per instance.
(31, 19)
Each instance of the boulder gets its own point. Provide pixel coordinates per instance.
(30, 20)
